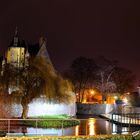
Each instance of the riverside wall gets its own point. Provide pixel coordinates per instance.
(95, 109)
(11, 107)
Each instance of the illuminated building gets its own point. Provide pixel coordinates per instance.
(16, 54)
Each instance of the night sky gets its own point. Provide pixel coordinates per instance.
(76, 28)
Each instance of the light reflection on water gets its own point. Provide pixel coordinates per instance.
(52, 131)
(91, 126)
(77, 130)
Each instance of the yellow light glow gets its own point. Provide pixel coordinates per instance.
(15, 56)
(115, 97)
(91, 126)
(125, 100)
(92, 92)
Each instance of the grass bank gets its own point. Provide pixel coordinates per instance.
(53, 121)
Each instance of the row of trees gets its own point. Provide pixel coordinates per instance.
(101, 74)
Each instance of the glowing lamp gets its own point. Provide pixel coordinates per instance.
(92, 92)
(125, 100)
(115, 97)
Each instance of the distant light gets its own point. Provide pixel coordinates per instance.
(92, 92)
(125, 100)
(115, 97)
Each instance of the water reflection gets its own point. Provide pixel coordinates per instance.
(77, 130)
(92, 126)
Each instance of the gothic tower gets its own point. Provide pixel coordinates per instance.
(16, 52)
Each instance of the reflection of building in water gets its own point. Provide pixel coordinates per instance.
(91, 126)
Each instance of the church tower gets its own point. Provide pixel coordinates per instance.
(16, 52)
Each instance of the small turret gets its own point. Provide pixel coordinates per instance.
(3, 66)
(27, 55)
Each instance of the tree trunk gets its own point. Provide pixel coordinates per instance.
(25, 110)
(82, 97)
(25, 107)
(104, 98)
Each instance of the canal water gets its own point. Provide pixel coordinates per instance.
(90, 125)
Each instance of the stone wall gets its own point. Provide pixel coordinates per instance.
(10, 107)
(95, 109)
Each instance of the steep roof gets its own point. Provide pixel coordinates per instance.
(44, 53)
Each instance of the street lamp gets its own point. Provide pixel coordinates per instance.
(92, 92)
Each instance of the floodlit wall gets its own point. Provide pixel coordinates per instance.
(11, 107)
(40, 107)
(15, 56)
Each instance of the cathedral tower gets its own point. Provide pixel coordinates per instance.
(16, 52)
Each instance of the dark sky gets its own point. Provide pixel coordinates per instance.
(77, 28)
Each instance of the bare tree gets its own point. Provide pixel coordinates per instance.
(82, 75)
(124, 80)
(104, 81)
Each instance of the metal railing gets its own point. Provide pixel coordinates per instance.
(127, 119)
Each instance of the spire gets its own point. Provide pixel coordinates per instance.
(16, 37)
(16, 31)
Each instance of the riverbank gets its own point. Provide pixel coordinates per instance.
(53, 121)
(96, 137)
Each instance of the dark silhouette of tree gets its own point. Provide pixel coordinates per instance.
(82, 74)
(124, 80)
(104, 81)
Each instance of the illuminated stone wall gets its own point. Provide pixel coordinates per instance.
(94, 109)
